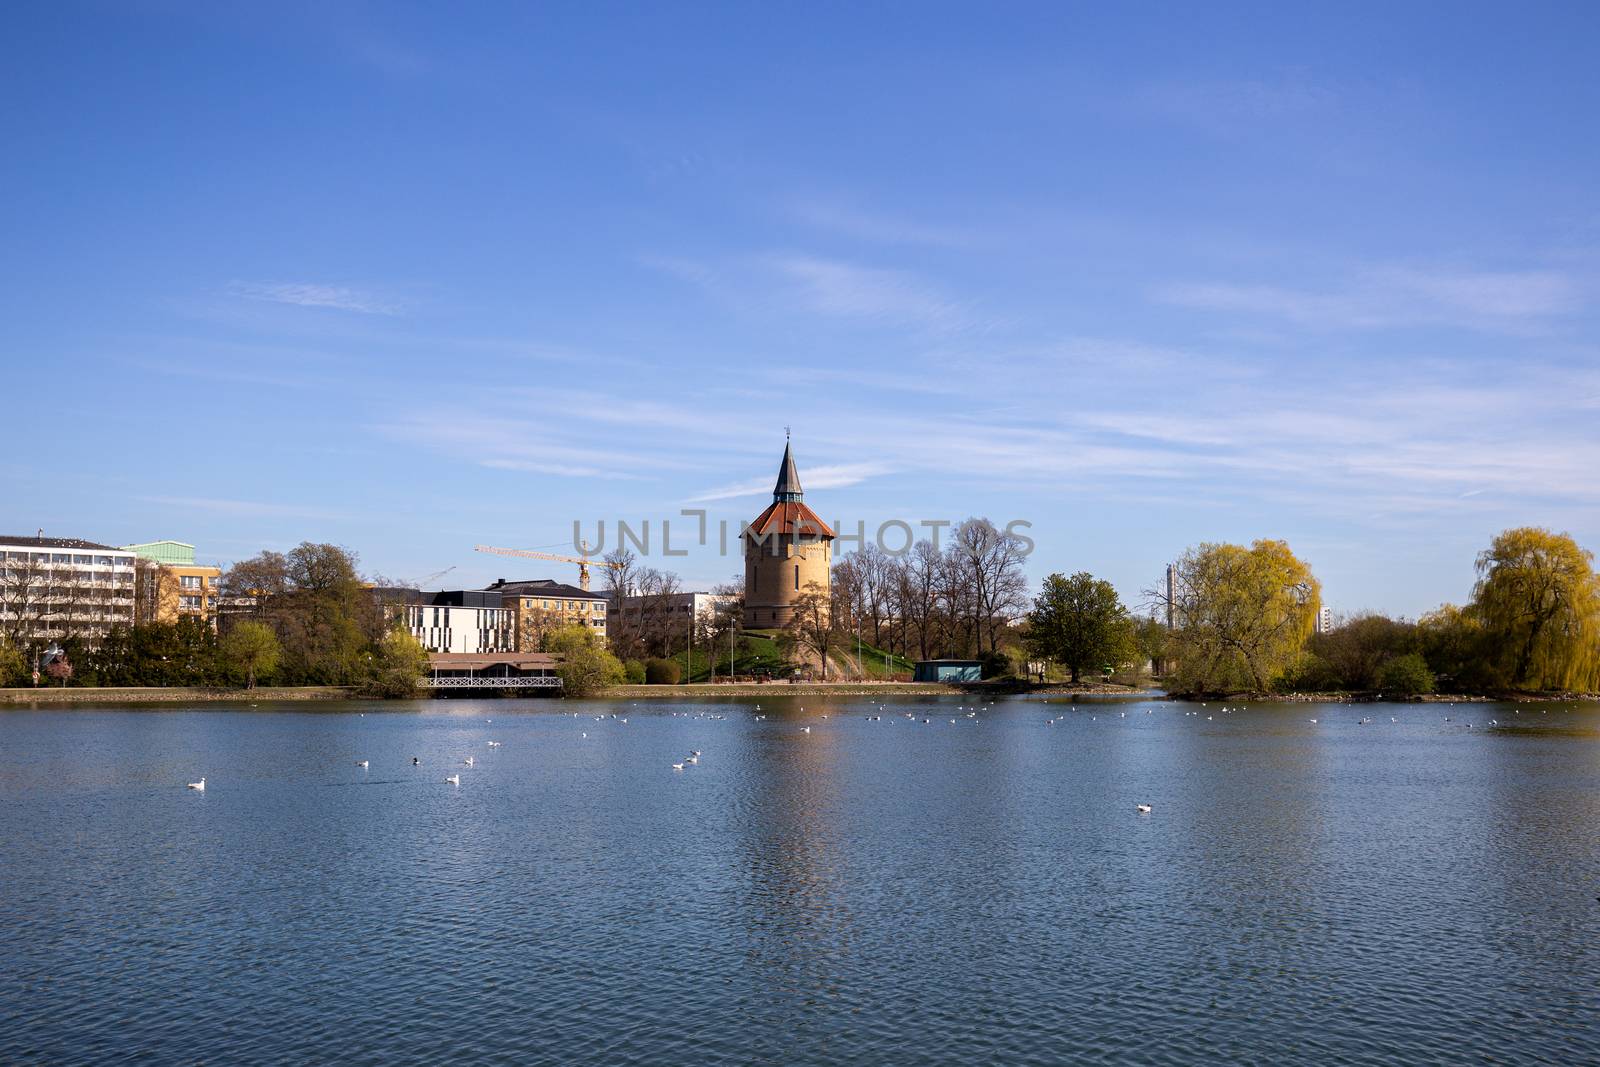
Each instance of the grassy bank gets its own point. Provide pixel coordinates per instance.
(170, 695)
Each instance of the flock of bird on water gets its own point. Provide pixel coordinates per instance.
(693, 757)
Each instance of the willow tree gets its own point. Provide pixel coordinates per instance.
(1241, 615)
(1538, 600)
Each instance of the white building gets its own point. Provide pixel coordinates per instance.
(1325, 621)
(463, 620)
(671, 607)
(52, 588)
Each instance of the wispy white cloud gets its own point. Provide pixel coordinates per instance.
(1396, 297)
(844, 218)
(502, 443)
(835, 476)
(819, 285)
(304, 294)
(835, 287)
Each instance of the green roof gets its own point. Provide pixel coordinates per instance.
(178, 552)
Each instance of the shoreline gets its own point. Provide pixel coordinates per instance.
(132, 694)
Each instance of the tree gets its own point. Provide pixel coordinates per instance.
(1538, 599)
(1455, 646)
(399, 665)
(662, 672)
(329, 623)
(991, 560)
(810, 630)
(1241, 615)
(251, 648)
(919, 593)
(586, 666)
(1356, 650)
(13, 666)
(1405, 675)
(1080, 622)
(1151, 636)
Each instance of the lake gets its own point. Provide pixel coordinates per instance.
(869, 892)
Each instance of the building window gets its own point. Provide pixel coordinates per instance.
(797, 576)
(189, 581)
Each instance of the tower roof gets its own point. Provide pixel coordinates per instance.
(788, 487)
(793, 518)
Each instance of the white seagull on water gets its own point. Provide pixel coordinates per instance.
(454, 779)
(200, 785)
(1142, 809)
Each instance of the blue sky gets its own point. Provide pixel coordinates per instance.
(413, 278)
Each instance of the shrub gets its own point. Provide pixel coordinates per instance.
(1309, 673)
(662, 672)
(994, 664)
(1406, 675)
(634, 670)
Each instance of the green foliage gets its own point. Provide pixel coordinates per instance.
(1307, 673)
(329, 623)
(158, 654)
(994, 664)
(633, 670)
(1456, 648)
(1243, 616)
(1357, 650)
(399, 664)
(1151, 639)
(250, 651)
(1080, 622)
(1538, 601)
(586, 665)
(662, 672)
(1406, 675)
(13, 666)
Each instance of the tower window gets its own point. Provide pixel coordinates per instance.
(797, 577)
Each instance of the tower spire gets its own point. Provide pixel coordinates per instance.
(788, 488)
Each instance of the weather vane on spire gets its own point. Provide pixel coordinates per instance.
(786, 433)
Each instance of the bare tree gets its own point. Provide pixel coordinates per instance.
(919, 593)
(810, 629)
(993, 560)
(24, 588)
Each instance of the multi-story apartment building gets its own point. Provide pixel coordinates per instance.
(458, 620)
(53, 588)
(542, 604)
(173, 585)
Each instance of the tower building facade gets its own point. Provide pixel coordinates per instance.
(788, 553)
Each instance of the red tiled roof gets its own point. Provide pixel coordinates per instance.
(782, 516)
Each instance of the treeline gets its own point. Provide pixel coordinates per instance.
(1245, 619)
(954, 599)
(957, 601)
(305, 617)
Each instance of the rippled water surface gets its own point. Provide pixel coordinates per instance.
(869, 892)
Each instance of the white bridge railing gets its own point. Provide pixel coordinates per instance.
(487, 681)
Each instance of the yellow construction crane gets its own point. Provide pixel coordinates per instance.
(583, 562)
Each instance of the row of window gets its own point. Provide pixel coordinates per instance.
(568, 605)
(68, 557)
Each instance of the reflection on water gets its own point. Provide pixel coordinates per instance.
(868, 892)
